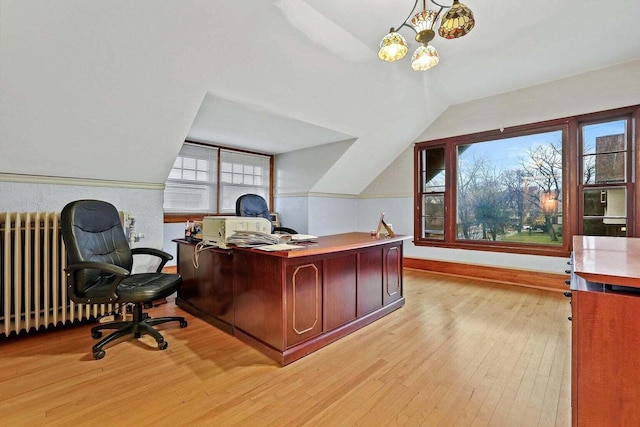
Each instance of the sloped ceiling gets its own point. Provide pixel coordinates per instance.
(87, 84)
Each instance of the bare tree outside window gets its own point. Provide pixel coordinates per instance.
(511, 189)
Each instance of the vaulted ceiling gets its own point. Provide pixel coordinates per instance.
(85, 85)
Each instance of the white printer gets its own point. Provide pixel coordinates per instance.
(217, 229)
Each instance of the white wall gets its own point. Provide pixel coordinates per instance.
(332, 215)
(294, 212)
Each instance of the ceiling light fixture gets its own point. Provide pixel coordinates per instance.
(456, 22)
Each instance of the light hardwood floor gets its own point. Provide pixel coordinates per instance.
(459, 353)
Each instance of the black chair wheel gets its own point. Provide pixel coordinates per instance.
(98, 354)
(183, 323)
(162, 345)
(96, 335)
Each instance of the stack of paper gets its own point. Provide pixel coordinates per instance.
(256, 238)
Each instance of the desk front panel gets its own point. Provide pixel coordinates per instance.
(289, 306)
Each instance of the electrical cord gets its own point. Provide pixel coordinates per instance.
(200, 247)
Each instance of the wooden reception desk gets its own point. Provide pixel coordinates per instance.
(288, 304)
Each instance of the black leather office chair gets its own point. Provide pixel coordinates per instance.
(99, 271)
(254, 205)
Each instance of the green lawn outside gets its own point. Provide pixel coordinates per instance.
(535, 238)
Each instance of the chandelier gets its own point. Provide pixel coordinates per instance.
(456, 22)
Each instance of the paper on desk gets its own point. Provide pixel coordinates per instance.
(303, 237)
(278, 247)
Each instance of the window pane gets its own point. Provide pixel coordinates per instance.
(433, 216)
(433, 170)
(202, 165)
(604, 137)
(250, 175)
(604, 147)
(187, 198)
(191, 184)
(510, 190)
(605, 211)
(604, 168)
(189, 163)
(175, 174)
(189, 175)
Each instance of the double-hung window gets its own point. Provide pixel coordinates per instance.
(208, 179)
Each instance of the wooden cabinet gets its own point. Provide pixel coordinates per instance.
(207, 290)
(606, 350)
(288, 304)
(605, 387)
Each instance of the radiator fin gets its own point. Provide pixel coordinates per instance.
(32, 263)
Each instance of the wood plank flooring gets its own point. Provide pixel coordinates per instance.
(459, 353)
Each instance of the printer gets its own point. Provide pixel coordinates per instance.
(217, 229)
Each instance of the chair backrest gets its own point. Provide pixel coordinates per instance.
(252, 205)
(92, 231)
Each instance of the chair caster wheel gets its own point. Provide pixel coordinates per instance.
(96, 334)
(98, 354)
(162, 345)
(183, 324)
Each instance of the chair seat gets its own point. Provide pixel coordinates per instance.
(141, 287)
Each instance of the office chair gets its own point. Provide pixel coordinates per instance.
(253, 205)
(99, 271)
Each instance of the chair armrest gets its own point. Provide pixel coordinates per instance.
(164, 256)
(104, 267)
(284, 230)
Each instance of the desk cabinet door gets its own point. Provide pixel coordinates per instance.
(392, 274)
(197, 285)
(208, 288)
(304, 302)
(339, 292)
(370, 288)
(606, 346)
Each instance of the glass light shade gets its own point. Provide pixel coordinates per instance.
(424, 20)
(392, 47)
(424, 58)
(457, 22)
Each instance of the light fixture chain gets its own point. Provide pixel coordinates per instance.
(404, 23)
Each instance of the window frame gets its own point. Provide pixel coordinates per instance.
(175, 217)
(571, 181)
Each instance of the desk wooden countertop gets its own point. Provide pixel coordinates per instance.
(333, 243)
(609, 260)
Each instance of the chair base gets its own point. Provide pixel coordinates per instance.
(140, 325)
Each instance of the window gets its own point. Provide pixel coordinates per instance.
(606, 160)
(242, 173)
(207, 179)
(510, 190)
